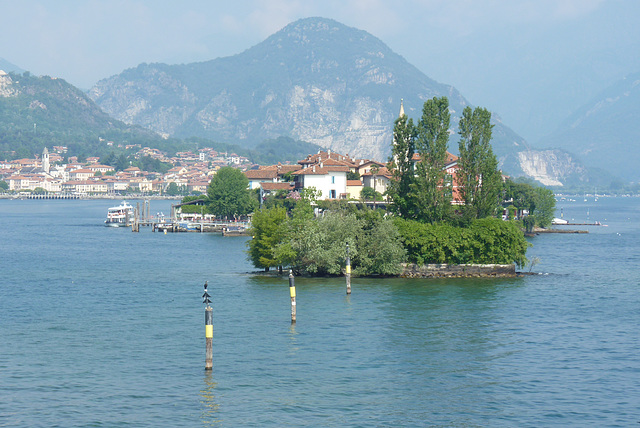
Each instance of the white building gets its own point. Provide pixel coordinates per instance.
(330, 180)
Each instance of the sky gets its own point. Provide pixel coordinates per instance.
(531, 62)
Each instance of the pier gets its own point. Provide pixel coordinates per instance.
(191, 223)
(52, 196)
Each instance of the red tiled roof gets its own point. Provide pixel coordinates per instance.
(277, 186)
(323, 156)
(264, 173)
(354, 183)
(318, 170)
(450, 158)
(98, 166)
(382, 172)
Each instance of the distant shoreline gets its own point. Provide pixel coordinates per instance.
(54, 197)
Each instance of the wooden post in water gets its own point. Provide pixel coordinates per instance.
(292, 292)
(348, 271)
(208, 330)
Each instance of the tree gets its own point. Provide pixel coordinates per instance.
(429, 188)
(536, 199)
(523, 195)
(267, 231)
(299, 225)
(368, 194)
(353, 175)
(379, 246)
(4, 186)
(121, 163)
(404, 135)
(229, 195)
(545, 206)
(478, 173)
(174, 190)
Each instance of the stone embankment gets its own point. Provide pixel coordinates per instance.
(411, 270)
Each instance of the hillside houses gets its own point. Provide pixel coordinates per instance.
(326, 171)
(191, 172)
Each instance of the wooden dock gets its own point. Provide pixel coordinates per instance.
(142, 218)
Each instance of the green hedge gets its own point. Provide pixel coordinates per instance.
(485, 241)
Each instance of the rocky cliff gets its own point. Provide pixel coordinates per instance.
(551, 167)
(316, 80)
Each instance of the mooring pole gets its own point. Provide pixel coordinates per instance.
(348, 271)
(208, 329)
(292, 292)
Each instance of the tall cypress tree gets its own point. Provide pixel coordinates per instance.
(429, 188)
(478, 175)
(404, 134)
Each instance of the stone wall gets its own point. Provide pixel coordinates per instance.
(411, 270)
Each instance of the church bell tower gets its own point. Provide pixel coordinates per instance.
(45, 161)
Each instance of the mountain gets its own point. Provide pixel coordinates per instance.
(605, 132)
(8, 67)
(38, 112)
(315, 80)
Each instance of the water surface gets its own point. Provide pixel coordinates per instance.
(104, 327)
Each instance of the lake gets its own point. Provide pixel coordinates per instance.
(104, 327)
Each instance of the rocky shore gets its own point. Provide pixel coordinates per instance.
(411, 270)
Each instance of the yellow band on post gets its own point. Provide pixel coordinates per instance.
(208, 331)
(348, 269)
(292, 291)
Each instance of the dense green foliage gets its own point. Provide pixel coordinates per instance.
(402, 150)
(317, 246)
(368, 194)
(488, 240)
(479, 177)
(431, 194)
(267, 231)
(538, 200)
(228, 195)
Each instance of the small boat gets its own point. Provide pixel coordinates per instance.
(559, 221)
(234, 231)
(122, 215)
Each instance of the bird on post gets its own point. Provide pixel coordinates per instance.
(206, 295)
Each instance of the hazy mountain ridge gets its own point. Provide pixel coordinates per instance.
(41, 111)
(605, 132)
(316, 80)
(9, 67)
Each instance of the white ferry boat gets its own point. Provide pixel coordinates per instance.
(122, 215)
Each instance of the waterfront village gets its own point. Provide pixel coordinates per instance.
(334, 175)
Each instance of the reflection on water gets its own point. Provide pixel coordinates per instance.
(210, 407)
(293, 341)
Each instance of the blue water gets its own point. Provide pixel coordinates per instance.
(104, 327)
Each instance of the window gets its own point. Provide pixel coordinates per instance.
(333, 179)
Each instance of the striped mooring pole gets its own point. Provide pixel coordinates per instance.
(208, 329)
(292, 292)
(348, 271)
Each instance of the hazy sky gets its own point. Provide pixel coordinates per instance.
(531, 61)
